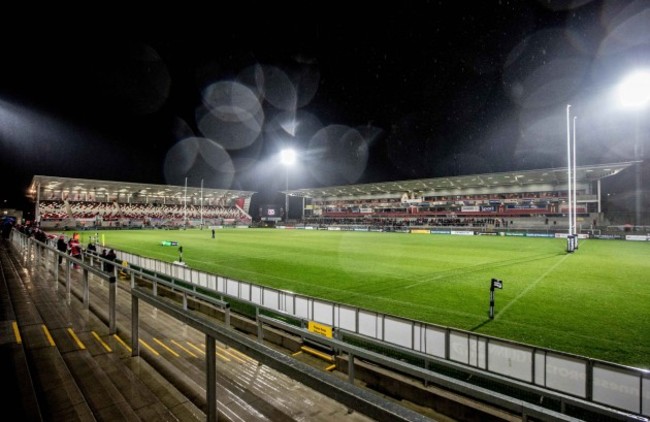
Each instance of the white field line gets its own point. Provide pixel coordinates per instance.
(384, 299)
(530, 287)
(475, 267)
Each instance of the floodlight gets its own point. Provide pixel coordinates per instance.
(288, 156)
(634, 91)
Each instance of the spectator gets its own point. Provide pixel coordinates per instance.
(91, 249)
(75, 250)
(110, 258)
(103, 255)
(61, 246)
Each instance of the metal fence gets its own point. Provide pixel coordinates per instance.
(355, 397)
(618, 386)
(600, 382)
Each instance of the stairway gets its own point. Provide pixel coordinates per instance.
(65, 366)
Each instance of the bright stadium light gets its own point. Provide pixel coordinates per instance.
(634, 93)
(287, 157)
(634, 90)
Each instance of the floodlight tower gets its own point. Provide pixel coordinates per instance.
(634, 93)
(287, 157)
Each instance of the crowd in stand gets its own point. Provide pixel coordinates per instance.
(137, 213)
(70, 245)
(536, 202)
(469, 210)
(451, 222)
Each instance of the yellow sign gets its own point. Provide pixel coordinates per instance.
(324, 330)
(122, 273)
(420, 231)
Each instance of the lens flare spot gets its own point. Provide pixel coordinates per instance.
(279, 91)
(199, 159)
(339, 154)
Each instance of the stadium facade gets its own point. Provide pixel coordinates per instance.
(539, 198)
(492, 198)
(68, 202)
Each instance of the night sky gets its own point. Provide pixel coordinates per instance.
(426, 89)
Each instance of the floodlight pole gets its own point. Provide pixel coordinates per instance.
(634, 91)
(286, 197)
(288, 156)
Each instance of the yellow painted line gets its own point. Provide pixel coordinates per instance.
(225, 358)
(299, 352)
(151, 349)
(232, 355)
(243, 356)
(16, 332)
(49, 336)
(102, 342)
(216, 351)
(119, 340)
(184, 349)
(170, 350)
(198, 349)
(76, 339)
(317, 353)
(330, 368)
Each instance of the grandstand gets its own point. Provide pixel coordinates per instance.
(531, 199)
(536, 198)
(523, 199)
(68, 202)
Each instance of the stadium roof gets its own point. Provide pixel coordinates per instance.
(87, 185)
(554, 177)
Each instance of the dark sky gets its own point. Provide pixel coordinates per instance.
(425, 89)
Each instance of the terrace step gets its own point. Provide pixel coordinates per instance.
(318, 354)
(75, 377)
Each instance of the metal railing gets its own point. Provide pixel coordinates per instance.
(620, 387)
(354, 397)
(621, 392)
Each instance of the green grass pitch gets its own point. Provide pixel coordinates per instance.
(594, 302)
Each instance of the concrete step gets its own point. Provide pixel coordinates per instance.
(73, 381)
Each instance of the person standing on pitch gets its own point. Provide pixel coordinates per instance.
(180, 254)
(213, 233)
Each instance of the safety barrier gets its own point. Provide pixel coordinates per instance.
(617, 386)
(354, 397)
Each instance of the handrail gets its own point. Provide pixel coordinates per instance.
(516, 405)
(352, 396)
